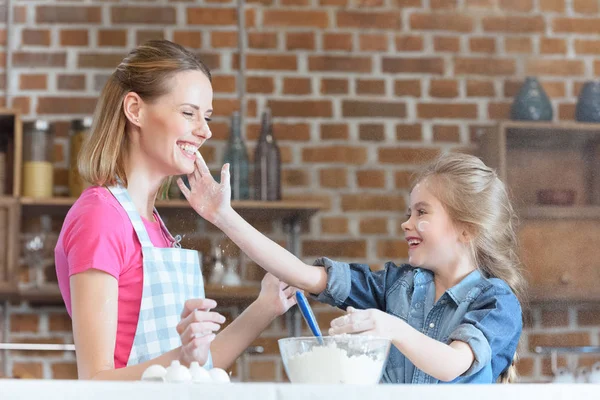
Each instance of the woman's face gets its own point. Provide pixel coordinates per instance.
(175, 125)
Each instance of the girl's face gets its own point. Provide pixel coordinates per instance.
(175, 125)
(433, 239)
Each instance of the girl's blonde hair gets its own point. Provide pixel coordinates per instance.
(476, 198)
(146, 70)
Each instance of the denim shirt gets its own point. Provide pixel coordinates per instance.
(482, 312)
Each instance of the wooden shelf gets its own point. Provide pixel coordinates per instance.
(248, 209)
(556, 212)
(50, 294)
(566, 294)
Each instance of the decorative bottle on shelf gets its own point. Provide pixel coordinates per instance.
(38, 158)
(267, 163)
(236, 155)
(531, 103)
(588, 103)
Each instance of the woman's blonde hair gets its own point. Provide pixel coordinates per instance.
(146, 70)
(476, 198)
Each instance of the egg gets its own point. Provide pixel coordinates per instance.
(199, 374)
(177, 373)
(154, 373)
(219, 376)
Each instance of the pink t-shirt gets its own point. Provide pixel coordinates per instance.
(97, 233)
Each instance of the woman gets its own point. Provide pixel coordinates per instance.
(135, 297)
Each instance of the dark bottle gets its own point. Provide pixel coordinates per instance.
(236, 155)
(267, 163)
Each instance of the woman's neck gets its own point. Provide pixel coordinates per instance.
(142, 185)
(450, 275)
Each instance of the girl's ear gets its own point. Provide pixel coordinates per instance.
(132, 104)
(468, 233)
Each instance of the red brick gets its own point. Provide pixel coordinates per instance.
(74, 37)
(366, 202)
(211, 16)
(99, 60)
(20, 14)
(552, 5)
(220, 39)
(516, 5)
(333, 178)
(555, 67)
(295, 18)
(566, 112)
(262, 40)
(297, 86)
(35, 37)
(588, 317)
(552, 89)
(553, 46)
(498, 110)
(443, 4)
(405, 155)
(64, 370)
(339, 63)
(294, 178)
(30, 370)
(372, 109)
(403, 180)
(372, 226)
(334, 248)
(373, 42)
(68, 15)
(410, 88)
(445, 43)
(270, 62)
(303, 108)
(340, 3)
(368, 20)
(299, 132)
(334, 225)
(408, 132)
(525, 366)
(552, 317)
(559, 339)
(60, 323)
(370, 179)
(482, 45)
(334, 132)
(260, 84)
(480, 4)
(143, 36)
(484, 66)
(407, 3)
(392, 249)
(300, 40)
(190, 39)
(446, 133)
(409, 43)
(223, 83)
(585, 7)
(518, 45)
(443, 22)
(22, 103)
(66, 105)
(576, 25)
(113, 37)
(447, 110)
(334, 86)
(583, 46)
(33, 82)
(424, 65)
(335, 154)
(444, 88)
(24, 323)
(370, 86)
(143, 15)
(371, 132)
(39, 59)
(476, 88)
(514, 24)
(337, 41)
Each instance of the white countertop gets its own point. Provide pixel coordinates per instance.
(77, 390)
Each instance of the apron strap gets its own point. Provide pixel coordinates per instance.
(124, 199)
(175, 241)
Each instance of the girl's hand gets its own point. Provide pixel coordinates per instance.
(205, 195)
(366, 322)
(196, 330)
(276, 295)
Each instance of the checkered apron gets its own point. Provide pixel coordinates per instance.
(171, 276)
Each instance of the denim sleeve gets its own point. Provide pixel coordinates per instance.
(492, 328)
(350, 284)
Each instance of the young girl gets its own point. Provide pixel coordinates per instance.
(136, 298)
(452, 313)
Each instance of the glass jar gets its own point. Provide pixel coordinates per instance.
(38, 156)
(80, 129)
(3, 162)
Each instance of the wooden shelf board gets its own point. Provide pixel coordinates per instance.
(552, 126)
(50, 294)
(541, 294)
(558, 212)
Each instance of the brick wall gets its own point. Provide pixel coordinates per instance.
(362, 91)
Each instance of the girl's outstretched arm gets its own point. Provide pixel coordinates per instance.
(211, 200)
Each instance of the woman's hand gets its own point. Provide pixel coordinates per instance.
(205, 195)
(197, 330)
(367, 322)
(276, 296)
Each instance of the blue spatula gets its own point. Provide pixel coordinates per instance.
(308, 315)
